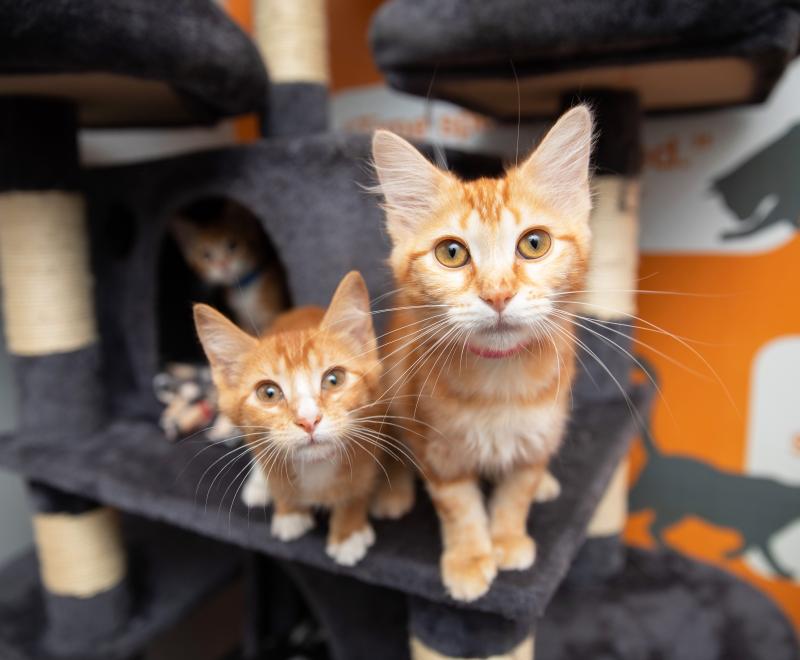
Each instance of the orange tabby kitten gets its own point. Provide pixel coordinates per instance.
(226, 247)
(305, 392)
(487, 350)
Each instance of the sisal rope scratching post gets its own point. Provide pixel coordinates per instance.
(293, 40)
(44, 265)
(50, 328)
(79, 555)
(609, 297)
(611, 280)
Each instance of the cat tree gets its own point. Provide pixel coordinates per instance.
(518, 60)
(62, 66)
(96, 435)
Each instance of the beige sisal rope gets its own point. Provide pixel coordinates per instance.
(293, 38)
(44, 264)
(615, 250)
(421, 652)
(80, 555)
(612, 511)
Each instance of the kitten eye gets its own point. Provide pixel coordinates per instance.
(534, 244)
(269, 392)
(333, 378)
(232, 245)
(207, 255)
(452, 253)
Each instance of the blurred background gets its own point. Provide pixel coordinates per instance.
(729, 358)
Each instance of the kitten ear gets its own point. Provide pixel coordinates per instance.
(558, 170)
(223, 342)
(183, 230)
(411, 185)
(349, 314)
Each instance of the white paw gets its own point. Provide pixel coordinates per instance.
(352, 550)
(256, 491)
(549, 488)
(291, 526)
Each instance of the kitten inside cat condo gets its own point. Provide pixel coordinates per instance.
(215, 251)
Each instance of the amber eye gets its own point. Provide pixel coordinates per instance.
(269, 392)
(534, 244)
(333, 378)
(452, 253)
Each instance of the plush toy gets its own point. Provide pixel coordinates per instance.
(190, 398)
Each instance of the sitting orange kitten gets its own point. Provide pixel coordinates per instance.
(488, 349)
(225, 246)
(304, 393)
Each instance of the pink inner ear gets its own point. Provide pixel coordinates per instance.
(410, 184)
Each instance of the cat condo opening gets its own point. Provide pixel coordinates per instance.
(214, 250)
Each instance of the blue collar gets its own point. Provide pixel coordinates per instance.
(249, 278)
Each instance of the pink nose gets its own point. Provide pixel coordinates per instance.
(308, 425)
(498, 301)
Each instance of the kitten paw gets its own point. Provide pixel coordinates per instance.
(291, 526)
(351, 550)
(256, 491)
(467, 576)
(391, 504)
(549, 488)
(514, 552)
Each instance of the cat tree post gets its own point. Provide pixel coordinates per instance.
(293, 40)
(48, 313)
(609, 298)
(443, 632)
(98, 64)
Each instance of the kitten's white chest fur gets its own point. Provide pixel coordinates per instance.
(312, 478)
(501, 435)
(505, 429)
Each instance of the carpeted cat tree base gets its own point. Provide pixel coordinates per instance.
(667, 606)
(127, 462)
(173, 572)
(64, 65)
(123, 460)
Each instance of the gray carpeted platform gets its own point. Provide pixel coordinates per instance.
(122, 62)
(129, 465)
(680, 54)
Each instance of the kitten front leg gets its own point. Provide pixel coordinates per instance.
(290, 521)
(256, 490)
(549, 488)
(394, 495)
(467, 563)
(350, 534)
(514, 549)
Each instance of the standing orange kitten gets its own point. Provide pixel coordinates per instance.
(304, 394)
(229, 249)
(487, 349)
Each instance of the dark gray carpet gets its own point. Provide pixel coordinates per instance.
(171, 572)
(130, 465)
(191, 45)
